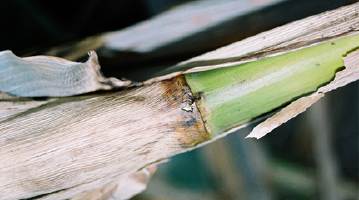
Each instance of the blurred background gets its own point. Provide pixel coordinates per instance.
(314, 156)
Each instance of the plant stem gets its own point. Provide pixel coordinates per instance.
(232, 96)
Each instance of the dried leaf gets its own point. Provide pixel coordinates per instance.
(124, 188)
(39, 76)
(11, 106)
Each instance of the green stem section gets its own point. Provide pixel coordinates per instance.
(232, 96)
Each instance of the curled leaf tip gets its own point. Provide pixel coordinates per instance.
(40, 76)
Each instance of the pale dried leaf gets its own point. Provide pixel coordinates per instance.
(134, 184)
(11, 106)
(181, 22)
(124, 188)
(39, 76)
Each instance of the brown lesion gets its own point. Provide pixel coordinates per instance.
(189, 128)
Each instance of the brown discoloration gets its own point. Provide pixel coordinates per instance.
(189, 127)
(80, 143)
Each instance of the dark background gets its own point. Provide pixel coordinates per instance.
(34, 24)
